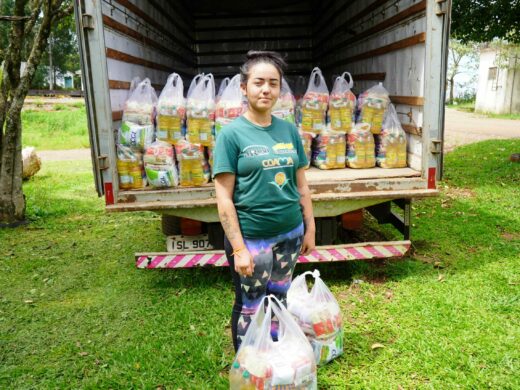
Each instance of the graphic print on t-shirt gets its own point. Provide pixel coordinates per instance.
(280, 180)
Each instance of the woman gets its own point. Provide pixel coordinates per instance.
(263, 199)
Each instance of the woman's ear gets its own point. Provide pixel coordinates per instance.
(243, 89)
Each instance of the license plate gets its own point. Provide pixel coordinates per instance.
(187, 243)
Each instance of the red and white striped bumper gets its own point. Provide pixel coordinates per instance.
(362, 251)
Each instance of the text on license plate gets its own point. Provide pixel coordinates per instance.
(187, 243)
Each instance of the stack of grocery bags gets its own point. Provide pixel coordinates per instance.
(168, 141)
(310, 333)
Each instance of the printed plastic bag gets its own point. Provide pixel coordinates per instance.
(230, 105)
(284, 106)
(314, 104)
(391, 143)
(318, 314)
(361, 147)
(193, 168)
(135, 135)
(223, 84)
(342, 104)
(372, 105)
(140, 106)
(262, 363)
(330, 149)
(171, 110)
(130, 168)
(159, 165)
(201, 111)
(307, 146)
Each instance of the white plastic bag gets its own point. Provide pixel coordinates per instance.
(372, 106)
(314, 104)
(318, 314)
(361, 147)
(171, 110)
(130, 168)
(194, 83)
(230, 104)
(223, 84)
(133, 84)
(140, 106)
(391, 143)
(330, 149)
(342, 104)
(135, 135)
(201, 111)
(285, 105)
(262, 363)
(194, 169)
(160, 166)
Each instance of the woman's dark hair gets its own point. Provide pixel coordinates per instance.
(254, 57)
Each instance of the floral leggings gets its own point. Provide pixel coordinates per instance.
(274, 260)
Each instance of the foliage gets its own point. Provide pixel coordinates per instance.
(75, 313)
(459, 53)
(485, 20)
(508, 54)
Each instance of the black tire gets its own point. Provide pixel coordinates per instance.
(170, 225)
(216, 235)
(326, 230)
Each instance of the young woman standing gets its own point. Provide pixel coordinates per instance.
(263, 199)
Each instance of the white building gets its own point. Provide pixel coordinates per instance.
(498, 88)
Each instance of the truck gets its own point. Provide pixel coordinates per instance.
(403, 44)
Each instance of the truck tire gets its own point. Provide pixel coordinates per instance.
(216, 235)
(326, 230)
(170, 225)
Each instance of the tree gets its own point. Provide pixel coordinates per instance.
(459, 52)
(485, 20)
(30, 25)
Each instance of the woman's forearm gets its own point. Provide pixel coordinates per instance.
(308, 214)
(229, 220)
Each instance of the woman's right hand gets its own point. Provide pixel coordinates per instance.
(244, 263)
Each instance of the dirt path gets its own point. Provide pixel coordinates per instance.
(64, 155)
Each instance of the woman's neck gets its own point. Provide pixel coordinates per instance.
(258, 118)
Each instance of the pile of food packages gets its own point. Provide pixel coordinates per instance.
(337, 129)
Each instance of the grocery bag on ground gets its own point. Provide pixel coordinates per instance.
(130, 168)
(372, 105)
(193, 168)
(284, 106)
(342, 104)
(318, 314)
(171, 110)
(230, 105)
(223, 84)
(330, 149)
(314, 103)
(201, 111)
(361, 147)
(391, 143)
(160, 166)
(262, 363)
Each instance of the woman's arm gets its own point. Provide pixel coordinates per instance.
(309, 242)
(224, 187)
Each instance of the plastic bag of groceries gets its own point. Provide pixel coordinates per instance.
(361, 147)
(230, 104)
(391, 143)
(171, 110)
(300, 86)
(135, 135)
(307, 146)
(318, 314)
(193, 168)
(372, 105)
(160, 166)
(194, 83)
(223, 84)
(130, 168)
(342, 104)
(284, 106)
(200, 111)
(262, 363)
(330, 149)
(133, 84)
(314, 103)
(140, 106)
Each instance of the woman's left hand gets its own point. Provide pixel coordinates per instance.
(309, 243)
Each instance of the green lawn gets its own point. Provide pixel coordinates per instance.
(470, 107)
(65, 127)
(75, 313)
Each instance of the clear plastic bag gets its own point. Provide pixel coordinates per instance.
(230, 105)
(223, 84)
(201, 111)
(330, 149)
(299, 90)
(318, 314)
(361, 147)
(194, 83)
(342, 104)
(171, 110)
(194, 170)
(133, 84)
(160, 166)
(307, 146)
(314, 104)
(391, 143)
(130, 168)
(372, 105)
(140, 106)
(262, 363)
(135, 135)
(284, 106)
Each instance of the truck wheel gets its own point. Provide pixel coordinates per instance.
(170, 225)
(216, 235)
(326, 230)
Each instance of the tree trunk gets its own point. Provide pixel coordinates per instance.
(452, 81)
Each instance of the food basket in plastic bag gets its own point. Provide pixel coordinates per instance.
(284, 106)
(361, 147)
(330, 149)
(307, 146)
(140, 106)
(223, 84)
(314, 103)
(193, 168)
(372, 106)
(160, 166)
(391, 143)
(342, 104)
(230, 105)
(200, 111)
(130, 168)
(262, 363)
(318, 314)
(171, 110)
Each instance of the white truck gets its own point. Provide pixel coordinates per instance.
(402, 43)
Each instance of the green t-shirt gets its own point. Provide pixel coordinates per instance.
(264, 161)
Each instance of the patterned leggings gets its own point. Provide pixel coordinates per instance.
(274, 260)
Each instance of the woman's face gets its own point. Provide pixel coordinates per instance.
(263, 87)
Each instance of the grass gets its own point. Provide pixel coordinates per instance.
(469, 106)
(75, 313)
(64, 127)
